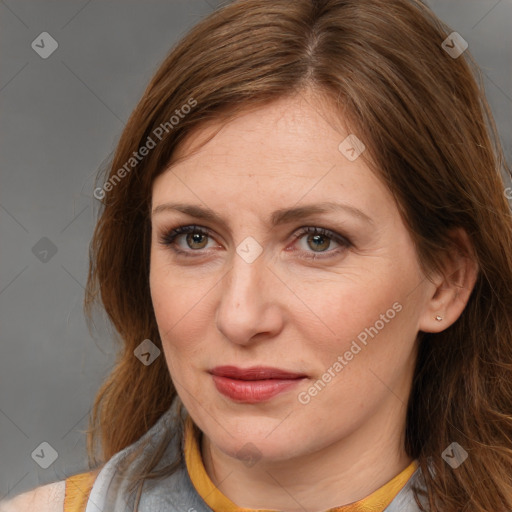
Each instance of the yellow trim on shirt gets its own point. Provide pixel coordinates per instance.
(78, 488)
(375, 502)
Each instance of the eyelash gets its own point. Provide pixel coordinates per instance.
(168, 239)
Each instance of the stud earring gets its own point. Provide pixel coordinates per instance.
(439, 318)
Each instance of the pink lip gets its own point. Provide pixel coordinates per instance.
(255, 384)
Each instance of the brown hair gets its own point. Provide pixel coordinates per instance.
(430, 136)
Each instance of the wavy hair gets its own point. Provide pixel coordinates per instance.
(429, 135)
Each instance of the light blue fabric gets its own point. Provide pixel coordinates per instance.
(176, 492)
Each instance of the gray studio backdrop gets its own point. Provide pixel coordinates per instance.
(65, 97)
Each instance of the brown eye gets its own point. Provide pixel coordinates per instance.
(315, 242)
(196, 239)
(319, 240)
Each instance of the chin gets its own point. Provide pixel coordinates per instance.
(249, 439)
(250, 450)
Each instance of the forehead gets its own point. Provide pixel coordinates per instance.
(274, 155)
(289, 129)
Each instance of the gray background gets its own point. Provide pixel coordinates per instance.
(60, 119)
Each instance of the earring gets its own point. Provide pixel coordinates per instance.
(439, 318)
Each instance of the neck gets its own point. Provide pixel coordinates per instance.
(343, 472)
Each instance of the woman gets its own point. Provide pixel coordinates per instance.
(306, 249)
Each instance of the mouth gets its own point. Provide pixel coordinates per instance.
(255, 384)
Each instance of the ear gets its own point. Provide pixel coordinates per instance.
(452, 290)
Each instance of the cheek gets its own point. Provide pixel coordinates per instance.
(179, 306)
(369, 319)
(344, 309)
(371, 353)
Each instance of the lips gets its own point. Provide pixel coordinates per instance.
(255, 373)
(255, 384)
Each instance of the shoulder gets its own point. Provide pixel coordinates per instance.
(46, 498)
(71, 493)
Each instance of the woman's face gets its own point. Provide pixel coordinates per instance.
(243, 290)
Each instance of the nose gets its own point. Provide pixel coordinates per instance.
(249, 307)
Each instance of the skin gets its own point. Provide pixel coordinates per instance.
(293, 313)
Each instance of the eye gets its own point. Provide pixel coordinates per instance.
(197, 239)
(320, 238)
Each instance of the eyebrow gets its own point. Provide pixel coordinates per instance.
(282, 216)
